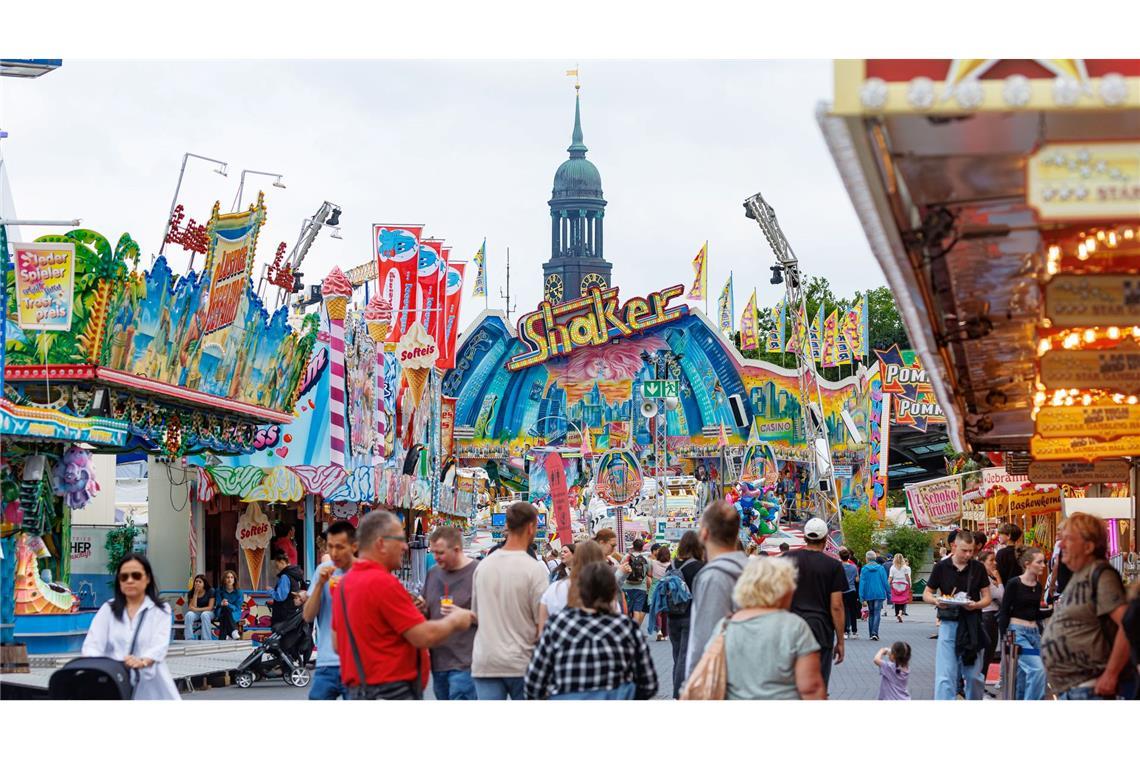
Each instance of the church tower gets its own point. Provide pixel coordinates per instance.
(576, 211)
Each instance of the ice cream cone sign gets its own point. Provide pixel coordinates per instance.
(253, 534)
(416, 352)
(378, 318)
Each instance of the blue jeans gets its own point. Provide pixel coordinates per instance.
(874, 615)
(499, 688)
(326, 683)
(1080, 693)
(625, 691)
(205, 620)
(1030, 670)
(948, 667)
(453, 685)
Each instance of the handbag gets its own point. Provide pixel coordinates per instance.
(709, 679)
(394, 690)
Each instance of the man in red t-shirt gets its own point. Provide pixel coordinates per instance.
(384, 622)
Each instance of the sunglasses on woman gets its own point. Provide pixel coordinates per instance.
(134, 575)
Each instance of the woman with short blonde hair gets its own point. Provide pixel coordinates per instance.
(770, 652)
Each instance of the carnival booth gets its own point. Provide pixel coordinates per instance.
(1000, 199)
(101, 356)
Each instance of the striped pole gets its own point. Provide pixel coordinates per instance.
(381, 426)
(336, 390)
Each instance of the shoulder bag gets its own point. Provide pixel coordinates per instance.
(709, 679)
(366, 691)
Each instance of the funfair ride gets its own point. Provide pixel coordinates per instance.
(822, 488)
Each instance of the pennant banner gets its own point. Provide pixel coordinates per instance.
(776, 334)
(427, 277)
(449, 324)
(749, 326)
(480, 288)
(700, 268)
(726, 307)
(816, 335)
(830, 350)
(397, 260)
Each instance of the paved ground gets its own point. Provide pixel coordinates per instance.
(855, 678)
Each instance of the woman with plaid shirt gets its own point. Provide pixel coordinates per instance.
(588, 652)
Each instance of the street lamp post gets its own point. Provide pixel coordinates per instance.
(222, 165)
(241, 185)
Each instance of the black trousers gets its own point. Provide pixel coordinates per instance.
(991, 655)
(900, 609)
(679, 638)
(851, 611)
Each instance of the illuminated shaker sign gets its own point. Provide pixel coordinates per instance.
(593, 320)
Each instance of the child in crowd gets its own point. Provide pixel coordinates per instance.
(894, 667)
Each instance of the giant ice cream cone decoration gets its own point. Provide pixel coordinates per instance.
(253, 533)
(336, 289)
(378, 318)
(416, 353)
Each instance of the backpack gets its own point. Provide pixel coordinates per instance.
(638, 567)
(678, 597)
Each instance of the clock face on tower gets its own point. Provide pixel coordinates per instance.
(592, 280)
(553, 290)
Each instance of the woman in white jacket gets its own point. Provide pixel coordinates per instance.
(136, 602)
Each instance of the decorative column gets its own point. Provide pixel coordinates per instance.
(378, 318)
(336, 289)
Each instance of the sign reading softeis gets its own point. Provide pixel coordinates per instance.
(556, 330)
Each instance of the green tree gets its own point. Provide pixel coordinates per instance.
(912, 543)
(858, 528)
(885, 325)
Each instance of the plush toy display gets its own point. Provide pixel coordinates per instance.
(75, 478)
(758, 507)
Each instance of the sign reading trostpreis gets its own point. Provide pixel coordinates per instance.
(556, 330)
(45, 284)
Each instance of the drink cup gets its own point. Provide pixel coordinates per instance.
(446, 603)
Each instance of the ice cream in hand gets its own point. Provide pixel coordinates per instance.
(378, 317)
(336, 289)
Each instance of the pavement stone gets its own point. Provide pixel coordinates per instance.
(856, 678)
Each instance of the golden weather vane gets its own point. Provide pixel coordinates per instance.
(574, 73)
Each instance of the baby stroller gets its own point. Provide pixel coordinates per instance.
(92, 678)
(283, 653)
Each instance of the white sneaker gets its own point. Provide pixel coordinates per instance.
(233, 634)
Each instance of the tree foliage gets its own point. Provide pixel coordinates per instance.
(885, 326)
(911, 542)
(858, 528)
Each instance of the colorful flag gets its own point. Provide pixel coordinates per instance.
(448, 326)
(427, 278)
(799, 332)
(816, 335)
(700, 267)
(830, 350)
(842, 347)
(776, 334)
(749, 326)
(850, 328)
(397, 259)
(865, 327)
(480, 288)
(727, 307)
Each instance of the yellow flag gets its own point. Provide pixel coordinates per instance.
(572, 72)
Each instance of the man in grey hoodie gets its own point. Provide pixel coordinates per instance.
(712, 588)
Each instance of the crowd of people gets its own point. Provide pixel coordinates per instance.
(512, 626)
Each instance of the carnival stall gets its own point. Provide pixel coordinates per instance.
(1000, 199)
(102, 356)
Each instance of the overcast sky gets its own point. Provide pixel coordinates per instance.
(467, 148)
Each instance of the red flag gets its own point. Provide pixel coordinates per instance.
(449, 326)
(432, 325)
(428, 279)
(397, 253)
(559, 497)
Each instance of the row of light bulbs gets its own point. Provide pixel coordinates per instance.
(1090, 242)
(1073, 339)
(1072, 396)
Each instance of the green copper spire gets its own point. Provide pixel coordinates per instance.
(577, 148)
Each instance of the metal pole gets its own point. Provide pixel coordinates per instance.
(173, 203)
(310, 536)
